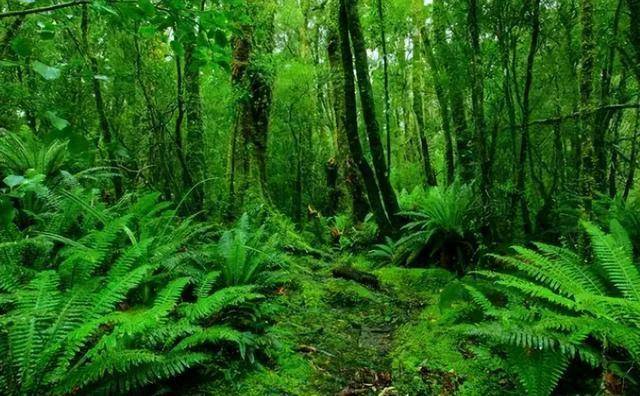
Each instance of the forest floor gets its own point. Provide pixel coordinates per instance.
(339, 337)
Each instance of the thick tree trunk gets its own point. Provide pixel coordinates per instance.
(418, 110)
(241, 54)
(368, 111)
(351, 126)
(346, 166)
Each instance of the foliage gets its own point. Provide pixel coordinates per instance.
(556, 307)
(119, 308)
(243, 253)
(441, 228)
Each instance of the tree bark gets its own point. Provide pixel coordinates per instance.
(187, 180)
(107, 136)
(195, 125)
(418, 110)
(443, 106)
(346, 166)
(634, 33)
(585, 84)
(389, 199)
(453, 76)
(385, 70)
(351, 125)
(477, 102)
(526, 113)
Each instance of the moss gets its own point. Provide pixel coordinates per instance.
(432, 356)
(414, 283)
(343, 293)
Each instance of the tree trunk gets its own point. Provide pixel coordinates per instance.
(455, 84)
(385, 69)
(585, 84)
(477, 102)
(368, 111)
(351, 126)
(526, 115)
(419, 111)
(633, 157)
(443, 106)
(195, 125)
(107, 136)
(187, 180)
(634, 34)
(241, 54)
(359, 205)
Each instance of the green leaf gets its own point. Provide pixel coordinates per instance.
(13, 180)
(177, 48)
(57, 122)
(146, 32)
(47, 72)
(7, 212)
(8, 63)
(21, 46)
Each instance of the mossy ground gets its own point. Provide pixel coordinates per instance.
(336, 337)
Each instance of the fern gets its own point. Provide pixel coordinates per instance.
(567, 303)
(114, 312)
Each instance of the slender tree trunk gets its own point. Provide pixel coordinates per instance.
(353, 182)
(368, 111)
(526, 113)
(107, 136)
(585, 84)
(161, 176)
(351, 125)
(602, 118)
(385, 69)
(195, 125)
(634, 34)
(187, 180)
(419, 111)
(633, 157)
(442, 105)
(455, 84)
(477, 102)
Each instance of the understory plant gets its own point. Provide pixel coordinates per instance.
(441, 229)
(554, 307)
(118, 300)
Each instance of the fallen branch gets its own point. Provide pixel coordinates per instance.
(40, 10)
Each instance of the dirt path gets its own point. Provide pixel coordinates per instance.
(345, 331)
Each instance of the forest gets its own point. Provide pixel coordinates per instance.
(319, 197)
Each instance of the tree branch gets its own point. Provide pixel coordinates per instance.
(43, 9)
(578, 114)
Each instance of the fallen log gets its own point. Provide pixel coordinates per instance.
(350, 273)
